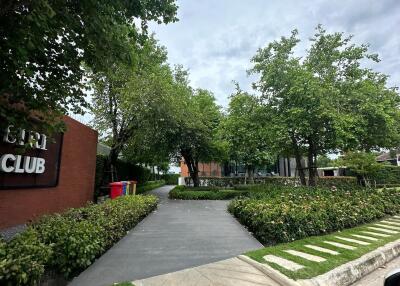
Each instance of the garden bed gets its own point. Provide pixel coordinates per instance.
(283, 214)
(149, 185)
(68, 243)
(204, 193)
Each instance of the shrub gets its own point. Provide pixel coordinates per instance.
(282, 214)
(23, 259)
(387, 175)
(340, 181)
(171, 179)
(69, 242)
(148, 186)
(204, 193)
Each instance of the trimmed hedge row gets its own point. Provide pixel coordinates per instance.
(170, 179)
(68, 243)
(204, 193)
(339, 181)
(149, 185)
(282, 214)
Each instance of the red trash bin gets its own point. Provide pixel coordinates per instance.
(116, 189)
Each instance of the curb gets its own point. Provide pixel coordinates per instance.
(270, 272)
(343, 275)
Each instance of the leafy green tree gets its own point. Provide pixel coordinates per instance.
(44, 43)
(326, 101)
(244, 133)
(128, 99)
(324, 161)
(190, 127)
(362, 163)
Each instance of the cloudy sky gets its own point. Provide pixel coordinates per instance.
(215, 39)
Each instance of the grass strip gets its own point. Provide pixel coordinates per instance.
(313, 269)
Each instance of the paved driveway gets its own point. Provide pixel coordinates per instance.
(178, 235)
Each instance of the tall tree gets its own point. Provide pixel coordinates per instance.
(44, 42)
(326, 101)
(243, 130)
(127, 99)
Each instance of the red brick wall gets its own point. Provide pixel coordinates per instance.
(211, 169)
(75, 185)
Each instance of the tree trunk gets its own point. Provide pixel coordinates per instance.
(193, 168)
(250, 173)
(299, 166)
(112, 161)
(312, 168)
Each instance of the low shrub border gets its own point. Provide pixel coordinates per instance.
(204, 193)
(338, 181)
(148, 186)
(68, 243)
(283, 214)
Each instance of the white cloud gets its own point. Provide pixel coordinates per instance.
(216, 39)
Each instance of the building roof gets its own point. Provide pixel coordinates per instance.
(103, 149)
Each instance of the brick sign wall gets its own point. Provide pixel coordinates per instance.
(50, 177)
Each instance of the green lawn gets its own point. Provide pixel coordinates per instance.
(124, 284)
(313, 269)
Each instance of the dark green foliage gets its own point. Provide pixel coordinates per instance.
(69, 242)
(148, 186)
(282, 214)
(387, 175)
(204, 193)
(170, 179)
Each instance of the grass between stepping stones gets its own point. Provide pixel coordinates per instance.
(312, 269)
(124, 284)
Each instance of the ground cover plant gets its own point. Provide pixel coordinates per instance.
(204, 193)
(68, 243)
(278, 214)
(312, 269)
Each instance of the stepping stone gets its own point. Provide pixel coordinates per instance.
(391, 222)
(353, 240)
(321, 249)
(383, 230)
(375, 233)
(307, 256)
(396, 216)
(387, 226)
(365, 237)
(340, 245)
(282, 262)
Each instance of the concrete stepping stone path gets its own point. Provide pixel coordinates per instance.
(375, 233)
(282, 262)
(383, 230)
(387, 226)
(391, 222)
(306, 256)
(356, 241)
(365, 237)
(321, 249)
(340, 245)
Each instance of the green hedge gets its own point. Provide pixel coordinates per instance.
(282, 214)
(149, 185)
(171, 179)
(68, 243)
(204, 193)
(339, 182)
(387, 175)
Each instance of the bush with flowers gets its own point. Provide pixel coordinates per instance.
(278, 214)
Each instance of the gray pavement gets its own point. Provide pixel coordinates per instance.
(178, 235)
(377, 277)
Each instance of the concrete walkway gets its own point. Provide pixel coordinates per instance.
(178, 235)
(229, 272)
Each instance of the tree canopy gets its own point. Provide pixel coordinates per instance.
(44, 43)
(325, 101)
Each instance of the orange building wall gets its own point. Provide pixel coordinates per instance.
(211, 169)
